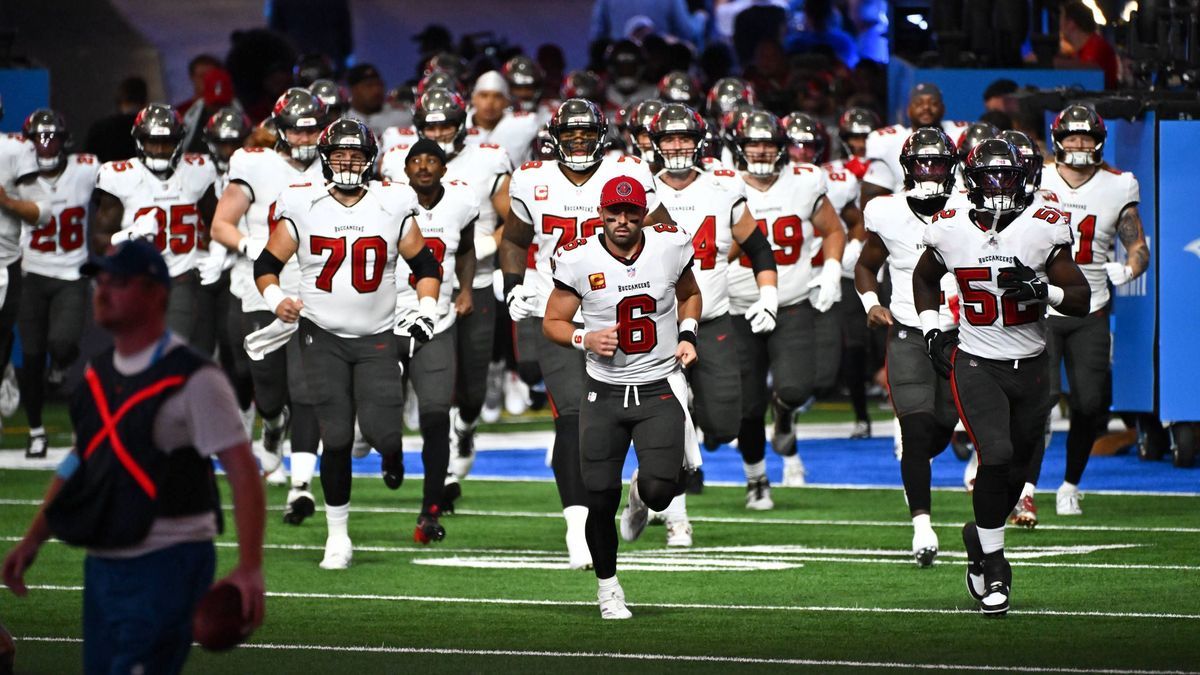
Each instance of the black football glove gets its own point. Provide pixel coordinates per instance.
(939, 345)
(418, 327)
(1021, 283)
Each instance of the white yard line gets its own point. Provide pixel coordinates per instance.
(691, 658)
(690, 606)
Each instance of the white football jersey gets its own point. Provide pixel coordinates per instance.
(1095, 208)
(59, 244)
(561, 211)
(903, 233)
(883, 150)
(173, 202)
(348, 254)
(992, 326)
(784, 213)
(18, 159)
(843, 184)
(265, 173)
(638, 295)
(481, 167)
(393, 136)
(442, 228)
(707, 209)
(514, 132)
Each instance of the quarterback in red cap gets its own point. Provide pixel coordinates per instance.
(641, 306)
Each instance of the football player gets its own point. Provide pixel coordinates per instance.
(440, 117)
(973, 135)
(641, 305)
(711, 207)
(54, 202)
(18, 161)
(246, 216)
(493, 121)
(1102, 203)
(844, 324)
(625, 64)
(790, 207)
(678, 86)
(525, 81)
(447, 215)
(635, 130)
(1011, 255)
(164, 195)
(347, 233)
(884, 174)
(920, 397)
(854, 126)
(553, 203)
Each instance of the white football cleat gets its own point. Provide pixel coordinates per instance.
(679, 534)
(516, 395)
(924, 546)
(462, 445)
(636, 513)
(612, 604)
(278, 477)
(1066, 501)
(793, 472)
(493, 400)
(338, 553)
(758, 495)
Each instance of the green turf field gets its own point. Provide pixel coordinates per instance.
(821, 584)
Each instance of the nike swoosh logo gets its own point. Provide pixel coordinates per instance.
(721, 337)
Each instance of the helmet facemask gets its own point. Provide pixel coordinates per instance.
(999, 189)
(160, 162)
(680, 158)
(1079, 157)
(447, 132)
(759, 164)
(579, 152)
(306, 153)
(349, 171)
(50, 151)
(930, 177)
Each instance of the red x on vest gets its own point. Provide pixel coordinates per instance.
(110, 425)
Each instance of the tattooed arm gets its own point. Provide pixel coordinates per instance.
(1129, 230)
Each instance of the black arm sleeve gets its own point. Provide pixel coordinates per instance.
(423, 264)
(266, 263)
(759, 251)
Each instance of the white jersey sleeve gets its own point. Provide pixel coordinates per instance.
(883, 149)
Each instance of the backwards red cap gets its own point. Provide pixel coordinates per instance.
(623, 190)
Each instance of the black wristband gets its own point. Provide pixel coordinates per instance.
(511, 280)
(687, 336)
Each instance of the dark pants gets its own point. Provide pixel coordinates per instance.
(431, 370)
(611, 417)
(474, 349)
(1003, 405)
(9, 312)
(348, 378)
(716, 381)
(214, 334)
(183, 306)
(279, 380)
(562, 369)
(1084, 344)
(51, 322)
(137, 612)
(788, 352)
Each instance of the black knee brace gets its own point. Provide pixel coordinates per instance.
(656, 492)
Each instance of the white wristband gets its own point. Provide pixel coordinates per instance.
(929, 321)
(832, 269)
(689, 324)
(769, 294)
(577, 339)
(485, 246)
(428, 306)
(274, 295)
(870, 300)
(1054, 295)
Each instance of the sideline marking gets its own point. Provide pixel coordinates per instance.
(685, 605)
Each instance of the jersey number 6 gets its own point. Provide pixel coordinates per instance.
(636, 333)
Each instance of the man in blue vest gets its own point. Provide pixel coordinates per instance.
(138, 489)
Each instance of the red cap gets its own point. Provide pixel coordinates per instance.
(218, 88)
(623, 190)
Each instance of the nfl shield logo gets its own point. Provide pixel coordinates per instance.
(541, 193)
(631, 272)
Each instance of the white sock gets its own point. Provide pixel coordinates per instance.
(991, 540)
(337, 519)
(609, 583)
(1069, 487)
(677, 509)
(303, 466)
(793, 460)
(37, 431)
(755, 471)
(1028, 490)
(921, 522)
(576, 517)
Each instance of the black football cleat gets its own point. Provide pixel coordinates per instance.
(428, 528)
(997, 576)
(975, 585)
(451, 492)
(300, 505)
(393, 470)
